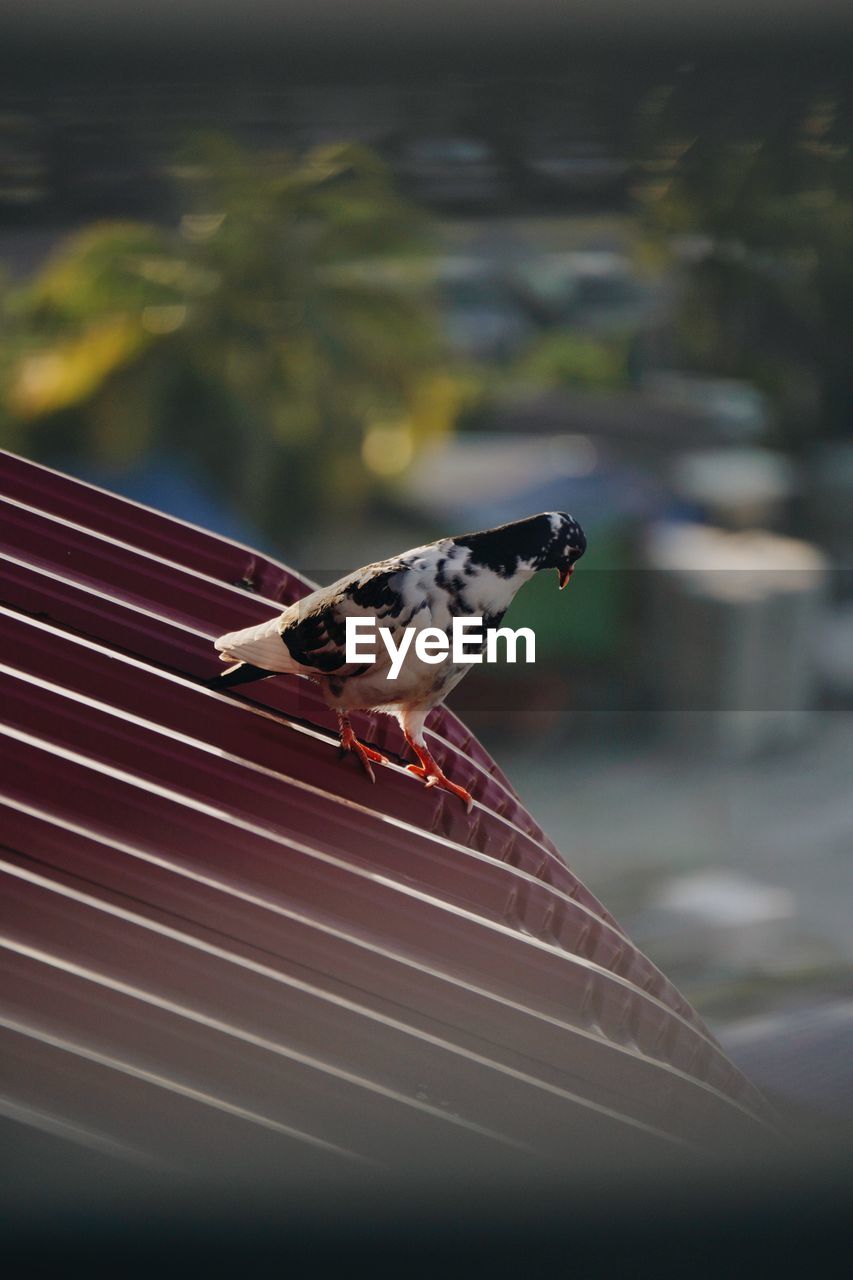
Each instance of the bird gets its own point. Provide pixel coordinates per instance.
(470, 575)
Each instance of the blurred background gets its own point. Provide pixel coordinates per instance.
(333, 289)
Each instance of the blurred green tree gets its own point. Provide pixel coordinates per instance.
(256, 338)
(763, 211)
(577, 360)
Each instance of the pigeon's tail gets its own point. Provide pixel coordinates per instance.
(240, 673)
(262, 646)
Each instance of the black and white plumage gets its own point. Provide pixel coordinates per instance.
(472, 575)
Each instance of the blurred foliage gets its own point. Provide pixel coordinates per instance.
(562, 358)
(765, 216)
(239, 338)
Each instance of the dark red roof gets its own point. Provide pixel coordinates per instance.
(215, 927)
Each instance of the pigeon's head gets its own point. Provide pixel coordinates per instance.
(566, 545)
(551, 540)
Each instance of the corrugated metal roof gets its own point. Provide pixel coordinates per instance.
(215, 927)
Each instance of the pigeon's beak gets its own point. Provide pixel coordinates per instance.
(566, 576)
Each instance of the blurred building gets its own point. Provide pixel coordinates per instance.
(733, 620)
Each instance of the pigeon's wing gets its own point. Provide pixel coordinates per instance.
(314, 629)
(309, 638)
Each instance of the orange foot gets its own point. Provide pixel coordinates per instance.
(433, 775)
(349, 742)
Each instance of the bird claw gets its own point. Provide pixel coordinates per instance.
(365, 754)
(438, 779)
(367, 766)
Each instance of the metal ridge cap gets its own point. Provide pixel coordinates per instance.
(365, 943)
(301, 784)
(537, 836)
(275, 975)
(120, 499)
(696, 1029)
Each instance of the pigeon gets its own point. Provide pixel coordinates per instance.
(473, 575)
